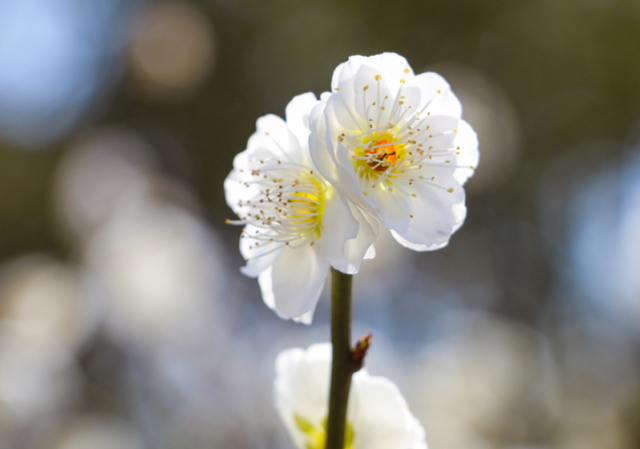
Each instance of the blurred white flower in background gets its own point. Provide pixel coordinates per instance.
(154, 269)
(34, 381)
(153, 264)
(395, 145)
(44, 302)
(159, 272)
(105, 171)
(296, 224)
(95, 432)
(44, 318)
(377, 414)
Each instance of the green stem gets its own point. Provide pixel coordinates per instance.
(341, 368)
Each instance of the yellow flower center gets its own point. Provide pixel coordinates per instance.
(378, 153)
(288, 208)
(317, 435)
(307, 206)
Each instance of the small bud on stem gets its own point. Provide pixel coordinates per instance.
(359, 351)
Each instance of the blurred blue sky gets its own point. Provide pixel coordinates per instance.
(55, 56)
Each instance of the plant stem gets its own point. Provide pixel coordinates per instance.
(341, 368)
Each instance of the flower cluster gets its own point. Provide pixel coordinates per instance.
(384, 149)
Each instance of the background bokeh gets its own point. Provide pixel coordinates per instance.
(124, 322)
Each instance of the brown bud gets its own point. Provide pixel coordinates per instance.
(359, 351)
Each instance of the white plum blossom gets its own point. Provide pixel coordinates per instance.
(296, 223)
(395, 145)
(377, 415)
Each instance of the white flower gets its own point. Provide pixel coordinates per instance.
(377, 414)
(395, 145)
(296, 223)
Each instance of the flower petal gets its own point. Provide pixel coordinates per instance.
(301, 387)
(235, 191)
(437, 97)
(359, 248)
(390, 66)
(274, 136)
(333, 162)
(339, 226)
(307, 317)
(437, 214)
(394, 208)
(258, 257)
(380, 416)
(320, 145)
(343, 115)
(466, 144)
(369, 88)
(297, 114)
(294, 281)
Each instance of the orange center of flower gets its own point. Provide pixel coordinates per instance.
(385, 151)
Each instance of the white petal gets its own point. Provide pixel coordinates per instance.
(320, 146)
(258, 257)
(394, 208)
(380, 416)
(440, 123)
(339, 225)
(371, 252)
(437, 97)
(344, 75)
(467, 141)
(390, 66)
(359, 248)
(443, 142)
(235, 191)
(333, 161)
(265, 280)
(295, 281)
(393, 67)
(301, 387)
(306, 318)
(343, 116)
(274, 136)
(369, 90)
(297, 114)
(372, 93)
(437, 214)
